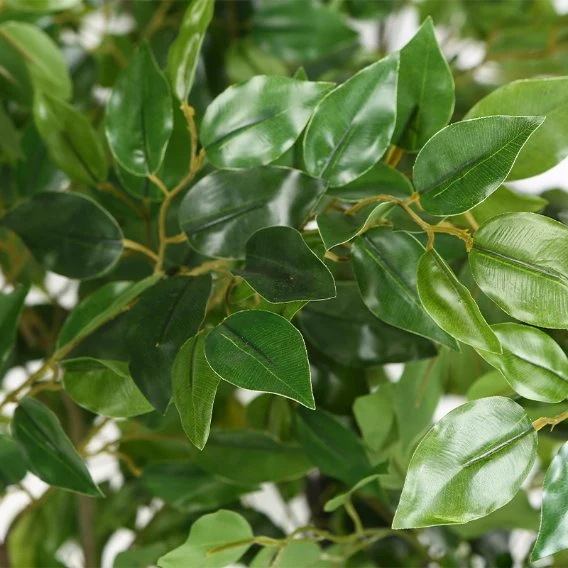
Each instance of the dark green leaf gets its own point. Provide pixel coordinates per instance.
(48, 450)
(224, 209)
(352, 126)
(467, 161)
(10, 309)
(261, 351)
(13, 466)
(67, 233)
(487, 446)
(10, 141)
(254, 123)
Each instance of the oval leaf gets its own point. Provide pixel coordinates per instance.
(261, 351)
(67, 233)
(48, 450)
(532, 362)
(13, 466)
(352, 126)
(487, 445)
(254, 123)
(450, 304)
(467, 161)
(225, 208)
(139, 119)
(520, 260)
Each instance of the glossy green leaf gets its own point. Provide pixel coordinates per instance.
(72, 142)
(261, 351)
(298, 553)
(492, 383)
(49, 452)
(208, 533)
(67, 233)
(386, 265)
(11, 306)
(189, 488)
(521, 262)
(250, 457)
(343, 498)
(553, 532)
(13, 466)
(539, 97)
(194, 388)
(225, 208)
(42, 5)
(455, 477)
(532, 362)
(254, 123)
(352, 126)
(44, 61)
(282, 268)
(183, 54)
(103, 387)
(139, 118)
(425, 90)
(450, 305)
(165, 316)
(466, 162)
(347, 332)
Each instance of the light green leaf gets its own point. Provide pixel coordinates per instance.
(343, 498)
(183, 54)
(261, 351)
(282, 268)
(450, 305)
(539, 97)
(254, 123)
(139, 119)
(48, 450)
(103, 387)
(11, 306)
(425, 90)
(352, 126)
(521, 262)
(298, 553)
(532, 362)
(553, 532)
(492, 383)
(466, 162)
(42, 5)
(208, 533)
(194, 388)
(386, 264)
(13, 466)
(67, 233)
(487, 446)
(224, 209)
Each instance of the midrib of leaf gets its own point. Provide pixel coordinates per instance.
(227, 215)
(78, 156)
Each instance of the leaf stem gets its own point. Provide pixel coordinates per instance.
(540, 423)
(133, 245)
(394, 156)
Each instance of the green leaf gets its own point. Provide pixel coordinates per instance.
(425, 90)
(487, 446)
(67, 233)
(519, 260)
(48, 450)
(13, 466)
(250, 457)
(11, 306)
(140, 556)
(188, 488)
(194, 388)
(553, 532)
(386, 265)
(183, 54)
(466, 162)
(282, 268)
(298, 553)
(42, 5)
(343, 498)
(43, 59)
(334, 448)
(103, 387)
(450, 305)
(532, 362)
(100, 307)
(165, 316)
(347, 332)
(72, 142)
(208, 533)
(224, 209)
(139, 119)
(254, 123)
(261, 351)
(352, 126)
(10, 141)
(492, 383)
(538, 97)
